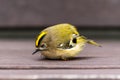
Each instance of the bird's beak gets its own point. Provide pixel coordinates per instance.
(35, 51)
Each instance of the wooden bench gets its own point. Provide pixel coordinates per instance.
(17, 62)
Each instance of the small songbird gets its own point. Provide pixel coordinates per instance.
(61, 41)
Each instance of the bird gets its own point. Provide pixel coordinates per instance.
(61, 41)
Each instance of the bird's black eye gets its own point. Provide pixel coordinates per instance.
(43, 45)
(74, 40)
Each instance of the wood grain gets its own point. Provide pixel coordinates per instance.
(17, 62)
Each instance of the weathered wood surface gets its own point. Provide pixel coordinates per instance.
(17, 62)
(62, 74)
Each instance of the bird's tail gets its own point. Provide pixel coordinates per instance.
(93, 43)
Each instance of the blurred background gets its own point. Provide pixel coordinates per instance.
(25, 18)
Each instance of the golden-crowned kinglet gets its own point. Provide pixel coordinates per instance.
(61, 41)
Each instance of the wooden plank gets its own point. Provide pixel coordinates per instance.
(17, 54)
(94, 63)
(62, 74)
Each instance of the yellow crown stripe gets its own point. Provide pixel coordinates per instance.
(39, 38)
